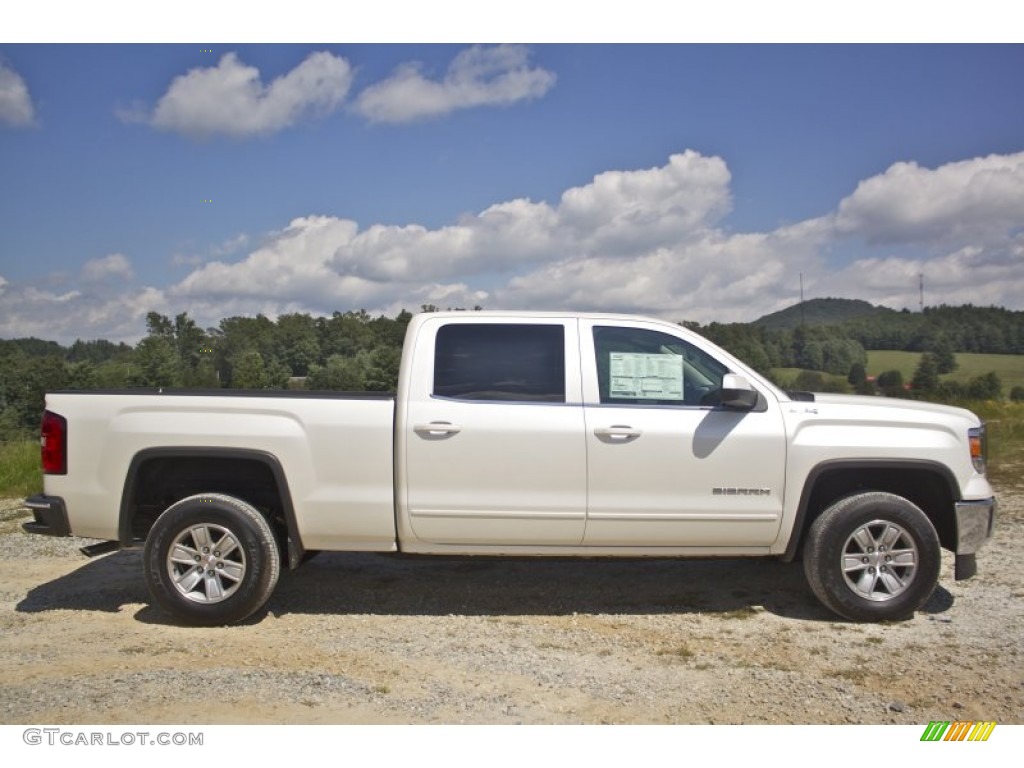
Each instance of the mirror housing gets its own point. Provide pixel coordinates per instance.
(737, 393)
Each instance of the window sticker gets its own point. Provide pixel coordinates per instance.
(641, 376)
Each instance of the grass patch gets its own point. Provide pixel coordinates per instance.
(679, 652)
(20, 474)
(747, 612)
(853, 674)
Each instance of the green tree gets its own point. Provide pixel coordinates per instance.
(297, 343)
(986, 387)
(24, 382)
(857, 375)
(238, 335)
(191, 343)
(945, 360)
(81, 375)
(345, 334)
(249, 371)
(156, 363)
(926, 376)
(891, 384)
(858, 379)
(888, 379)
(382, 370)
(341, 374)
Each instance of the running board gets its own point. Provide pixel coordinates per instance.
(100, 548)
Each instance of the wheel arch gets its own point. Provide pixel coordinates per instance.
(159, 477)
(928, 484)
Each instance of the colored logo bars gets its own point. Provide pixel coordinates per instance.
(958, 730)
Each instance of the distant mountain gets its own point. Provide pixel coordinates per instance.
(822, 312)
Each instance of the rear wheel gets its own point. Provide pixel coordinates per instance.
(211, 559)
(872, 557)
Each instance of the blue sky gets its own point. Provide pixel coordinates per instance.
(685, 181)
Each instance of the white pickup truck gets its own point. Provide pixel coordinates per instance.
(522, 434)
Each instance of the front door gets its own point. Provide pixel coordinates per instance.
(667, 465)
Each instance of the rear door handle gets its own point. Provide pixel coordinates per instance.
(618, 432)
(437, 428)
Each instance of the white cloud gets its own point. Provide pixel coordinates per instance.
(959, 201)
(969, 275)
(231, 245)
(78, 314)
(15, 102)
(711, 276)
(231, 99)
(479, 76)
(103, 269)
(630, 211)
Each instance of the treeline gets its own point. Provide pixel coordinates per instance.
(981, 330)
(351, 351)
(356, 351)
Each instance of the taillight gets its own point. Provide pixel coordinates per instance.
(54, 444)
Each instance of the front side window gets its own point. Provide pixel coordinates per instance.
(641, 367)
(500, 361)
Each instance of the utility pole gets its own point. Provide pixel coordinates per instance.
(920, 278)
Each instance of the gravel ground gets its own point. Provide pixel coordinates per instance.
(379, 639)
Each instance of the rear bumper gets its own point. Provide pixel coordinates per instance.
(50, 516)
(975, 523)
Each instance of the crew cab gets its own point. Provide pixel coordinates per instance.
(522, 434)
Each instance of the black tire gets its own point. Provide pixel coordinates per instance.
(211, 559)
(872, 557)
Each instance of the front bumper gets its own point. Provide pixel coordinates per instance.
(50, 516)
(975, 523)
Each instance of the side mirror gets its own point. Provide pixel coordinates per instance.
(737, 393)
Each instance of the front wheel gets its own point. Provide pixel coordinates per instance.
(211, 559)
(872, 557)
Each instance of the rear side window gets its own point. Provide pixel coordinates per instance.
(500, 362)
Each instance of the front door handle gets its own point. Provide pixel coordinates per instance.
(437, 428)
(618, 432)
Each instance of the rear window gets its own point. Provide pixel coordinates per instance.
(500, 362)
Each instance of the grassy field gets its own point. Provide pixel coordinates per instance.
(19, 469)
(1009, 368)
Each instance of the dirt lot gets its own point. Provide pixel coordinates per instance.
(376, 639)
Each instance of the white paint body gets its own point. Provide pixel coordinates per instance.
(518, 477)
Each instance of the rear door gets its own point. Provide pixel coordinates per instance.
(495, 448)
